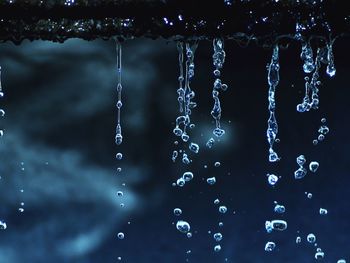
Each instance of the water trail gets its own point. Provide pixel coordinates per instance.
(218, 61)
(273, 79)
(330, 57)
(2, 112)
(185, 93)
(307, 56)
(118, 136)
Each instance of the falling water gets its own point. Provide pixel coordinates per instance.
(118, 135)
(2, 112)
(185, 93)
(273, 79)
(218, 61)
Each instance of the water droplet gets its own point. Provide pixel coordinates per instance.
(119, 156)
(270, 246)
(279, 225)
(323, 129)
(175, 154)
(300, 173)
(211, 180)
(217, 237)
(319, 255)
(185, 159)
(194, 147)
(120, 193)
(180, 182)
(313, 166)
(119, 258)
(2, 113)
(323, 211)
(309, 195)
(222, 209)
(217, 248)
(315, 142)
(177, 211)
(272, 179)
(298, 240)
(187, 176)
(119, 169)
(21, 209)
(3, 225)
(320, 137)
(189, 234)
(217, 164)
(311, 238)
(301, 160)
(183, 226)
(280, 209)
(210, 143)
(221, 224)
(216, 201)
(121, 235)
(323, 120)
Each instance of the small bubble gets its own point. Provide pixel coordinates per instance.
(313, 166)
(300, 173)
(177, 211)
(210, 143)
(217, 237)
(180, 182)
(315, 142)
(279, 225)
(272, 179)
(222, 209)
(194, 147)
(309, 195)
(119, 156)
(323, 120)
(189, 234)
(311, 238)
(121, 235)
(119, 258)
(270, 246)
(323, 211)
(183, 226)
(298, 240)
(120, 193)
(323, 129)
(21, 209)
(217, 248)
(341, 261)
(301, 160)
(187, 176)
(211, 180)
(3, 225)
(217, 164)
(221, 224)
(119, 169)
(280, 209)
(320, 137)
(319, 255)
(216, 201)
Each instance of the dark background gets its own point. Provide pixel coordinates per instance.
(60, 122)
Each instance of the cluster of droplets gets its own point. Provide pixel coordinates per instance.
(325, 56)
(273, 80)
(218, 61)
(322, 131)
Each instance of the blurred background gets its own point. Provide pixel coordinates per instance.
(58, 157)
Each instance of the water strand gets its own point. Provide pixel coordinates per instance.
(273, 80)
(119, 136)
(218, 61)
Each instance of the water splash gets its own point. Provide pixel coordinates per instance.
(118, 135)
(273, 80)
(218, 61)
